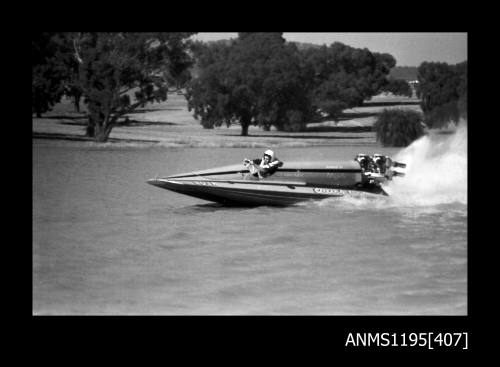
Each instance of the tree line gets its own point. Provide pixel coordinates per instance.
(256, 79)
(260, 79)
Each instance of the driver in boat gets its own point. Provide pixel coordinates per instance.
(263, 167)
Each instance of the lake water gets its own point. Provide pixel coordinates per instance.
(105, 242)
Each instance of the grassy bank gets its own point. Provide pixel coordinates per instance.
(170, 124)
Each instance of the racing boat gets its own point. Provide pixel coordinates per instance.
(292, 183)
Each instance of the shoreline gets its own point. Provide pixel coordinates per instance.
(169, 124)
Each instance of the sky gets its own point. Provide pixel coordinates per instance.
(409, 49)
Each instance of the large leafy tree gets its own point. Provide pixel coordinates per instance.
(254, 80)
(115, 72)
(342, 77)
(119, 72)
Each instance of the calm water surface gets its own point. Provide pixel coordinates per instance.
(105, 242)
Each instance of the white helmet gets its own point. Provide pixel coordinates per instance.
(270, 153)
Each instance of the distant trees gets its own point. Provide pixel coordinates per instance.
(443, 91)
(398, 127)
(404, 72)
(115, 72)
(398, 87)
(259, 79)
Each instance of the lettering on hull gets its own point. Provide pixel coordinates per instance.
(289, 174)
(318, 190)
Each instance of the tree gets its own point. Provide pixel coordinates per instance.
(48, 71)
(255, 80)
(115, 72)
(120, 72)
(443, 91)
(340, 76)
(399, 127)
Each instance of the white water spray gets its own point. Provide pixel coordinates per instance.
(436, 170)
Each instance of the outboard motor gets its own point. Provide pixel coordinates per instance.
(377, 169)
(398, 164)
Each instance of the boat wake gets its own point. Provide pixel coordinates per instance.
(436, 170)
(436, 174)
